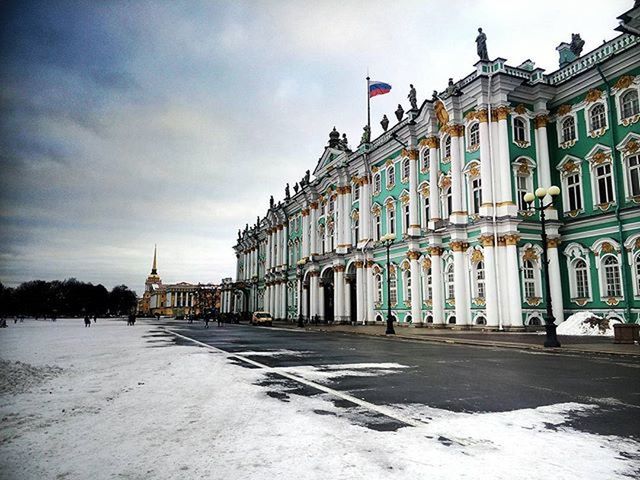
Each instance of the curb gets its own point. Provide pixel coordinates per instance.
(477, 343)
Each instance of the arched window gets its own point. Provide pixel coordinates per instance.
(447, 148)
(427, 286)
(356, 231)
(452, 319)
(391, 176)
(356, 193)
(424, 166)
(597, 117)
(633, 172)
(450, 282)
(629, 104)
(378, 292)
(636, 264)
(376, 183)
(405, 170)
(519, 130)
(331, 238)
(332, 204)
(447, 202)
(604, 183)
(391, 220)
(568, 129)
(393, 289)
(481, 321)
(535, 321)
(405, 212)
(581, 278)
(429, 318)
(425, 211)
(529, 279)
(476, 196)
(612, 285)
(378, 225)
(323, 239)
(406, 279)
(474, 135)
(480, 285)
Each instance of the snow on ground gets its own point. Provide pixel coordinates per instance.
(586, 323)
(113, 401)
(272, 353)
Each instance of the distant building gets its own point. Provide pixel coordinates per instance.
(447, 185)
(177, 299)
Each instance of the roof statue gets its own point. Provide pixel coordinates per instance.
(413, 98)
(384, 122)
(295, 188)
(344, 143)
(452, 89)
(334, 138)
(287, 192)
(399, 112)
(271, 201)
(577, 44)
(481, 41)
(307, 175)
(366, 135)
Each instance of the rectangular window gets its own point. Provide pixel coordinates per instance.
(521, 191)
(475, 195)
(393, 290)
(582, 283)
(392, 221)
(573, 192)
(378, 227)
(425, 204)
(406, 217)
(604, 182)
(634, 176)
(356, 193)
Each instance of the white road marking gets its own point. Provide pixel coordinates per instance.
(387, 412)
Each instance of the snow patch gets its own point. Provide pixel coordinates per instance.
(327, 373)
(586, 323)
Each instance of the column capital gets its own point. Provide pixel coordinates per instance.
(435, 251)
(430, 142)
(313, 205)
(305, 212)
(511, 239)
(338, 268)
(358, 263)
(553, 242)
(413, 255)
(486, 240)
(280, 227)
(458, 246)
(370, 263)
(540, 121)
(500, 113)
(454, 130)
(410, 153)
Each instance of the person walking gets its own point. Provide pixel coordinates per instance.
(206, 321)
(95, 318)
(87, 321)
(219, 318)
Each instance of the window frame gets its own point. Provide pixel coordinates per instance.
(525, 141)
(473, 136)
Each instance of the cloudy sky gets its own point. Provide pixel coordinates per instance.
(129, 123)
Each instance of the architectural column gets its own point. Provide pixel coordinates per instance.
(265, 299)
(321, 311)
(513, 279)
(542, 150)
(490, 281)
(458, 214)
(283, 300)
(503, 283)
(346, 219)
(504, 195)
(370, 293)
(416, 290)
(299, 295)
(555, 282)
(437, 294)
(347, 299)
(267, 251)
(434, 189)
(285, 247)
(314, 278)
(313, 225)
(461, 284)
(486, 206)
(339, 225)
(361, 315)
(414, 201)
(338, 293)
(305, 233)
(365, 210)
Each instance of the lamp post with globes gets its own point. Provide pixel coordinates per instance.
(300, 265)
(387, 240)
(529, 198)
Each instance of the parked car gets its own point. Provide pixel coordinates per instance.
(261, 318)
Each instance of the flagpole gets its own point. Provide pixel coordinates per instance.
(368, 107)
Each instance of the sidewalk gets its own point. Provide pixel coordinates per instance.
(518, 340)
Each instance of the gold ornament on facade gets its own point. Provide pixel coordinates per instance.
(410, 153)
(470, 116)
(474, 171)
(370, 263)
(313, 205)
(569, 167)
(404, 198)
(482, 116)
(413, 255)
(593, 95)
(511, 239)
(338, 268)
(456, 246)
(424, 190)
(600, 157)
(376, 210)
(612, 301)
(456, 130)
(358, 264)
(480, 301)
(534, 301)
(477, 256)
(388, 163)
(523, 169)
(530, 254)
(445, 182)
(435, 251)
(355, 215)
(486, 240)
(375, 169)
(624, 82)
(501, 241)
(553, 242)
(426, 263)
(520, 109)
(631, 147)
(431, 142)
(607, 248)
(564, 109)
(540, 121)
(501, 113)
(441, 113)
(580, 301)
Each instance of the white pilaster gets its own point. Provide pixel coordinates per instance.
(414, 202)
(416, 290)
(490, 282)
(361, 314)
(460, 286)
(555, 282)
(458, 211)
(338, 292)
(313, 219)
(437, 296)
(370, 293)
(513, 279)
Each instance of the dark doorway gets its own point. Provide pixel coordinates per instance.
(328, 301)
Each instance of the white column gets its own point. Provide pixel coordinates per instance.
(434, 189)
(555, 282)
(490, 281)
(542, 150)
(313, 285)
(503, 283)
(266, 299)
(361, 315)
(513, 279)
(346, 220)
(437, 297)
(267, 252)
(339, 225)
(486, 208)
(313, 225)
(460, 285)
(305, 233)
(504, 164)
(299, 295)
(338, 292)
(365, 210)
(414, 202)
(283, 300)
(285, 246)
(456, 171)
(274, 305)
(370, 311)
(321, 311)
(347, 300)
(416, 291)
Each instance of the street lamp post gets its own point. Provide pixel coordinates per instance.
(529, 198)
(300, 270)
(387, 240)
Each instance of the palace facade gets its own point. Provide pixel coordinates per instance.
(449, 180)
(178, 299)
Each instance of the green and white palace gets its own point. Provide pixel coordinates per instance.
(449, 181)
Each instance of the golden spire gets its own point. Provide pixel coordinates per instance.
(154, 269)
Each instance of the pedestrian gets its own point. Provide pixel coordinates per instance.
(3, 323)
(87, 321)
(219, 317)
(95, 318)
(206, 321)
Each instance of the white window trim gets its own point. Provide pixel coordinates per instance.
(403, 178)
(597, 204)
(390, 184)
(596, 248)
(467, 136)
(443, 142)
(537, 272)
(633, 253)
(559, 121)
(587, 119)
(424, 220)
(469, 186)
(424, 153)
(516, 166)
(565, 186)
(574, 252)
(406, 280)
(527, 131)
(377, 185)
(618, 99)
(624, 157)
(390, 205)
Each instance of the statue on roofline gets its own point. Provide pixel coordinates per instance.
(384, 122)
(287, 192)
(399, 112)
(296, 187)
(307, 175)
(577, 44)
(481, 41)
(271, 202)
(413, 97)
(344, 143)
(366, 135)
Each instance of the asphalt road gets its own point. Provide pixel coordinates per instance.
(458, 378)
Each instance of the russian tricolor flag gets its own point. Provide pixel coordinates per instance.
(378, 88)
